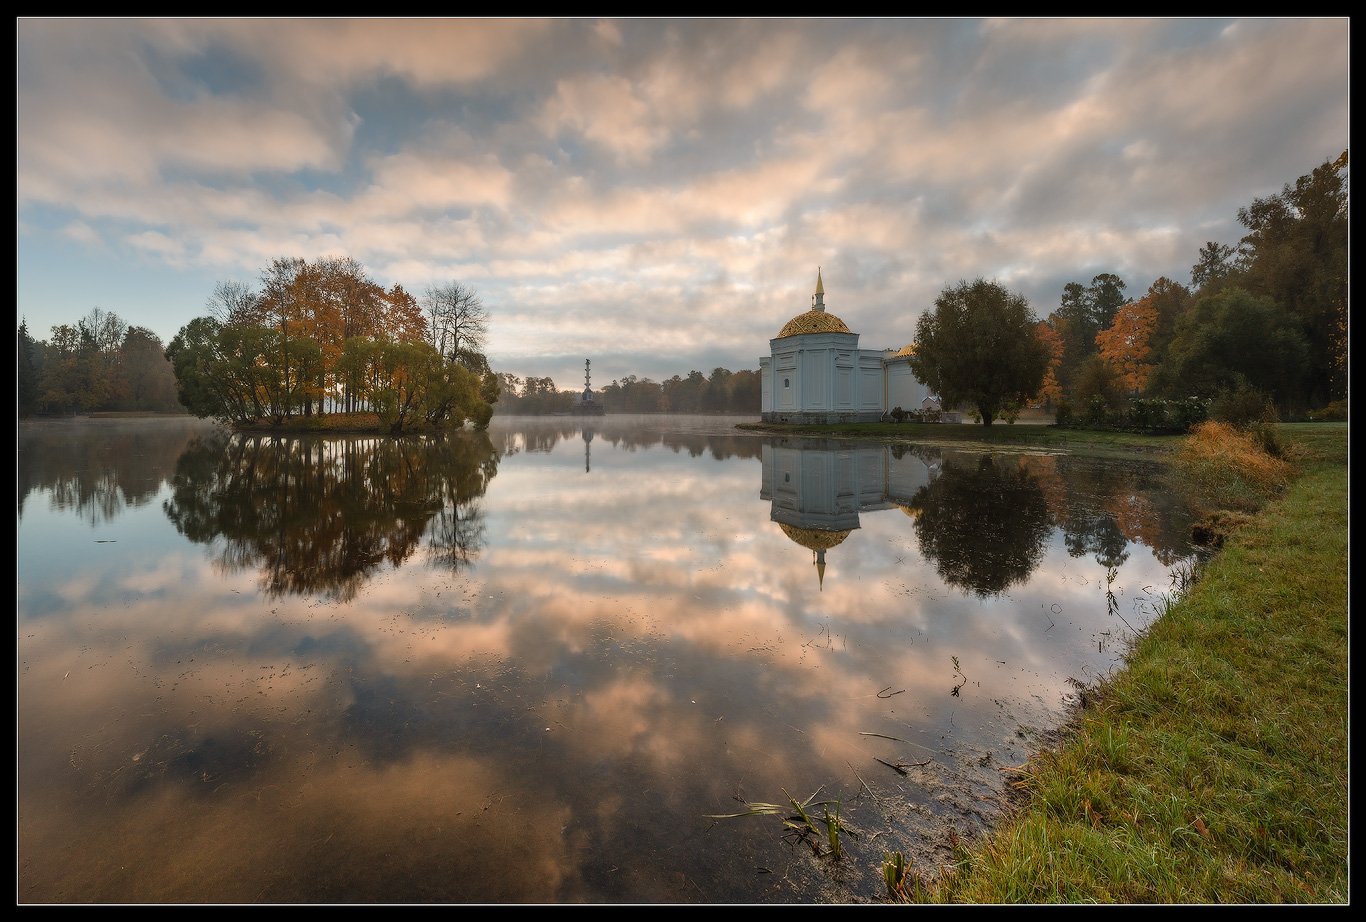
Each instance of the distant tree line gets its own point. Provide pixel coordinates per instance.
(1261, 322)
(97, 364)
(723, 391)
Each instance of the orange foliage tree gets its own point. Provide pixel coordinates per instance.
(1050, 392)
(1127, 343)
(328, 301)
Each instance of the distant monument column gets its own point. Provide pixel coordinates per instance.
(587, 404)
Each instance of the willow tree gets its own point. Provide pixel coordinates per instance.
(980, 346)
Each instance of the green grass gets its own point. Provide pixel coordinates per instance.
(1213, 767)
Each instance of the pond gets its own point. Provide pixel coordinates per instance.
(547, 663)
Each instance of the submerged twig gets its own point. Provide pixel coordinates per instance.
(885, 737)
(900, 767)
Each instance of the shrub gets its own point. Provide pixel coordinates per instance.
(1334, 412)
(1227, 468)
(1242, 407)
(1250, 410)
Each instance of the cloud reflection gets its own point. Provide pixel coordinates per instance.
(636, 646)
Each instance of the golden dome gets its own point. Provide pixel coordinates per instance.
(911, 511)
(905, 351)
(813, 321)
(813, 538)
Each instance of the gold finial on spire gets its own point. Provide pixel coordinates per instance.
(818, 299)
(820, 286)
(819, 561)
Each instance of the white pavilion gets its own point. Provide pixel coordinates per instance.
(816, 373)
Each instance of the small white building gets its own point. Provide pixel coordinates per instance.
(816, 373)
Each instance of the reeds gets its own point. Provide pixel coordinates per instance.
(823, 833)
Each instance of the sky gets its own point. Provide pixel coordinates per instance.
(653, 194)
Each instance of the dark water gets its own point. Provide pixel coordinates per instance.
(534, 665)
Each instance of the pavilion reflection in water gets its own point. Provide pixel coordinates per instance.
(818, 488)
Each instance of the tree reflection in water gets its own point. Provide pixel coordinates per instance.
(983, 523)
(322, 515)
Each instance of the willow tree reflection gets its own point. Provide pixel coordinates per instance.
(322, 515)
(983, 523)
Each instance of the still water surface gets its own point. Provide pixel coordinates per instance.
(535, 665)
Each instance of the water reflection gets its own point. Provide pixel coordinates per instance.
(818, 488)
(97, 468)
(983, 521)
(318, 515)
(697, 436)
(593, 654)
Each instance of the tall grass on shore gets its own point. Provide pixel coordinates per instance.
(1214, 767)
(1227, 468)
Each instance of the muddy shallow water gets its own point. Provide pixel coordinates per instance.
(542, 664)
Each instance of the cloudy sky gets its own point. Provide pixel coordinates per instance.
(653, 194)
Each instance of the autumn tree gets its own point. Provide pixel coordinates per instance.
(401, 319)
(1171, 300)
(280, 305)
(1084, 311)
(980, 346)
(1127, 344)
(1050, 392)
(328, 302)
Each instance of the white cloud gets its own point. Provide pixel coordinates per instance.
(605, 110)
(81, 233)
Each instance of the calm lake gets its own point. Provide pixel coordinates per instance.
(544, 663)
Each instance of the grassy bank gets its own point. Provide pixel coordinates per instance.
(1214, 767)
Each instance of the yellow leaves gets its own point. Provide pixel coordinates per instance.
(1051, 390)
